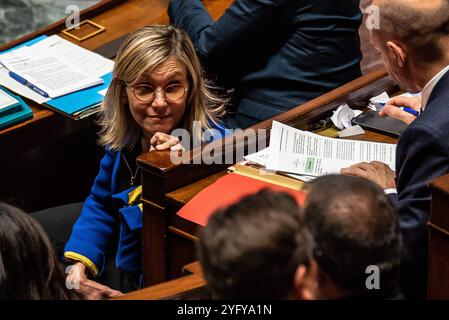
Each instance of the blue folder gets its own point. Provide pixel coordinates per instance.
(74, 104)
(15, 113)
(80, 100)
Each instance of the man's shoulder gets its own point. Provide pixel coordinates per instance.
(429, 131)
(437, 109)
(435, 117)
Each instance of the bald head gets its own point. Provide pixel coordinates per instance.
(416, 23)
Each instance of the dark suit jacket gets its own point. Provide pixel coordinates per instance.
(276, 53)
(422, 155)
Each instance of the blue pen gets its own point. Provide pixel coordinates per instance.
(411, 111)
(27, 84)
(406, 109)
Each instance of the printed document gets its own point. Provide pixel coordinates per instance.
(261, 158)
(17, 87)
(90, 63)
(47, 72)
(296, 151)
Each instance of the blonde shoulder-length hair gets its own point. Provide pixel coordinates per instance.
(143, 51)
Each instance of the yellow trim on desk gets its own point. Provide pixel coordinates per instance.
(269, 177)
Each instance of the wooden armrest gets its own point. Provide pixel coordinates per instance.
(440, 202)
(194, 268)
(438, 256)
(189, 287)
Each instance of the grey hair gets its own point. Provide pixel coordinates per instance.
(417, 23)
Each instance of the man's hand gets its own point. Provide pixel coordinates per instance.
(163, 141)
(392, 108)
(375, 171)
(88, 289)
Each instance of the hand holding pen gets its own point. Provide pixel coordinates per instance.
(405, 109)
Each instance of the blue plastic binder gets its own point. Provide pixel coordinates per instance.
(80, 100)
(15, 113)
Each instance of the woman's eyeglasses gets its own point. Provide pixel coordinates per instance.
(146, 93)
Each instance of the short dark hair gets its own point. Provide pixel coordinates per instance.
(29, 269)
(354, 225)
(251, 249)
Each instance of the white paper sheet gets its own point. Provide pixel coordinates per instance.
(378, 102)
(301, 152)
(351, 131)
(13, 85)
(90, 63)
(261, 158)
(6, 100)
(342, 117)
(103, 92)
(46, 71)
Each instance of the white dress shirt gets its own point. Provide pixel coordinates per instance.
(427, 91)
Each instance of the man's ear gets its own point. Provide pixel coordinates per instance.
(305, 282)
(397, 52)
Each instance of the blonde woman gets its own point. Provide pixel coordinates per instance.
(157, 86)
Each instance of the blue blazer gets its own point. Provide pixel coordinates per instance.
(277, 54)
(106, 210)
(109, 210)
(422, 155)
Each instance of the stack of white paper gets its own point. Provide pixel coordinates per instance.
(261, 158)
(47, 72)
(301, 152)
(54, 65)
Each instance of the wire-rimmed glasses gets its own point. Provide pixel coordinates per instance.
(147, 93)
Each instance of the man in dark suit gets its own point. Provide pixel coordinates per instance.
(413, 40)
(276, 54)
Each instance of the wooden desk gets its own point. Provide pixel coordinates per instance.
(167, 238)
(191, 287)
(438, 264)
